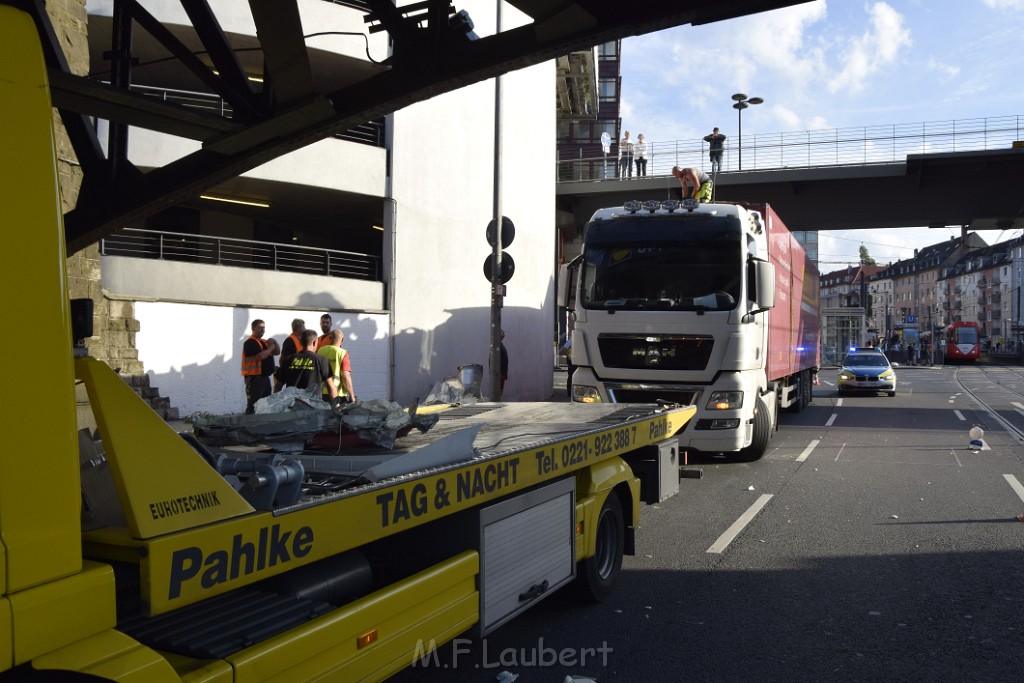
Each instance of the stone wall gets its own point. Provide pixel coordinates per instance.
(114, 324)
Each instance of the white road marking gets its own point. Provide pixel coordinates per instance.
(1015, 485)
(733, 531)
(959, 415)
(807, 451)
(839, 402)
(841, 449)
(831, 420)
(1017, 405)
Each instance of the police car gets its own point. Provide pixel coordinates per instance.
(866, 370)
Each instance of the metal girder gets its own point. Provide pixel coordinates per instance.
(284, 51)
(430, 57)
(224, 59)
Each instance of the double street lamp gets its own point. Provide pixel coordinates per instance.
(742, 102)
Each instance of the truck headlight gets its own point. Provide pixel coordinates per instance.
(585, 394)
(725, 400)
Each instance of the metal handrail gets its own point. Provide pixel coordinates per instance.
(860, 146)
(369, 133)
(225, 251)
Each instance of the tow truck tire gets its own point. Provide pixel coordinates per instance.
(762, 433)
(596, 575)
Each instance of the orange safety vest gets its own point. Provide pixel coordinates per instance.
(323, 340)
(295, 339)
(251, 365)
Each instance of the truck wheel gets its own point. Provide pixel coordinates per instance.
(596, 575)
(762, 433)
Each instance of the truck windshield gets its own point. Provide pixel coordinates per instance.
(669, 276)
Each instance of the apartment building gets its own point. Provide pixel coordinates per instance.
(983, 286)
(381, 226)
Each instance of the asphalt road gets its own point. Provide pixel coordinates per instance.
(888, 550)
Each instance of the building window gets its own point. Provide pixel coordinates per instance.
(564, 131)
(608, 50)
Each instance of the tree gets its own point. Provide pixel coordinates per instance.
(865, 257)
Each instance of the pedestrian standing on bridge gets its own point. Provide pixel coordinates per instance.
(640, 154)
(716, 142)
(625, 156)
(694, 183)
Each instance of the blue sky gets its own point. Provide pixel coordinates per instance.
(832, 64)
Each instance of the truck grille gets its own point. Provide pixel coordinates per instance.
(655, 352)
(648, 393)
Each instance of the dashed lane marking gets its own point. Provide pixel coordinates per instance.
(733, 531)
(1015, 485)
(807, 451)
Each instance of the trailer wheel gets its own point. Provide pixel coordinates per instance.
(596, 575)
(762, 433)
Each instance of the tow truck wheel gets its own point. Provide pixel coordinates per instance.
(596, 575)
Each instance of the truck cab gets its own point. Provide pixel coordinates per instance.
(702, 304)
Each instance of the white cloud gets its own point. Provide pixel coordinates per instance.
(948, 71)
(1011, 5)
(870, 52)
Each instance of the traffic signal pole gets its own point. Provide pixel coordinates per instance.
(497, 288)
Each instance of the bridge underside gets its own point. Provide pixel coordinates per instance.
(432, 55)
(978, 190)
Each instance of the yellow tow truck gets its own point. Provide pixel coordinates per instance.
(341, 568)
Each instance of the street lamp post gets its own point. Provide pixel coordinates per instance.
(742, 102)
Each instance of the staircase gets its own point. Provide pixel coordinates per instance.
(151, 395)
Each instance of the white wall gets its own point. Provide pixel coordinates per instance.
(443, 165)
(135, 278)
(192, 352)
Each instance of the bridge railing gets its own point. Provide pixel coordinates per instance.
(808, 149)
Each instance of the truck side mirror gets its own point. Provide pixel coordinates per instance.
(762, 284)
(567, 276)
(562, 293)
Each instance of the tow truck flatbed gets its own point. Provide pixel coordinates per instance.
(514, 446)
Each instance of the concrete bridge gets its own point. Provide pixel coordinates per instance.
(980, 189)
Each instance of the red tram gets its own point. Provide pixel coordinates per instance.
(962, 342)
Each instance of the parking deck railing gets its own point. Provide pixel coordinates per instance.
(174, 246)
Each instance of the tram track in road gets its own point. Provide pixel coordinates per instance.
(1016, 432)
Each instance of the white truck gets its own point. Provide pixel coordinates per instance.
(710, 305)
